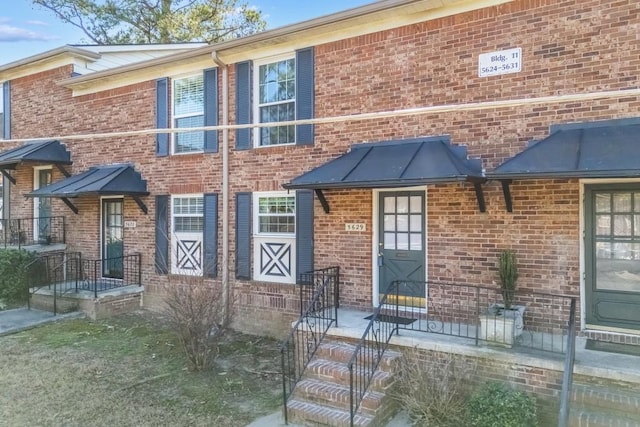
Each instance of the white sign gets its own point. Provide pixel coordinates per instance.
(355, 227)
(130, 224)
(500, 62)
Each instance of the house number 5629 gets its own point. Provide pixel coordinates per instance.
(355, 227)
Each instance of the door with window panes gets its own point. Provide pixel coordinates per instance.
(401, 245)
(612, 256)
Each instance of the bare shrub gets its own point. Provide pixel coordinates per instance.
(433, 392)
(196, 314)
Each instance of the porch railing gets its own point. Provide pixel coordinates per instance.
(538, 320)
(567, 374)
(318, 313)
(368, 353)
(19, 232)
(70, 272)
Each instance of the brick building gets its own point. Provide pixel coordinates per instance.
(418, 164)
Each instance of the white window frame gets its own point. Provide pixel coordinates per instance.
(175, 117)
(282, 244)
(256, 99)
(193, 236)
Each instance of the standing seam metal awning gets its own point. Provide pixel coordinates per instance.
(608, 149)
(393, 164)
(121, 179)
(51, 152)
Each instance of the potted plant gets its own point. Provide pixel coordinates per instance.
(508, 270)
(503, 323)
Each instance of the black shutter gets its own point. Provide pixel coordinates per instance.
(162, 116)
(6, 119)
(304, 231)
(162, 234)
(304, 94)
(211, 109)
(243, 236)
(243, 104)
(210, 235)
(6, 198)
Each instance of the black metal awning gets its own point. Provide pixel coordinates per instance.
(608, 149)
(50, 152)
(393, 164)
(121, 179)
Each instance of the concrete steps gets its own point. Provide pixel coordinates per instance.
(322, 397)
(610, 405)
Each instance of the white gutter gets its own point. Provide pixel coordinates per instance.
(225, 186)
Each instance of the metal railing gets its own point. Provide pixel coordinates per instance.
(19, 232)
(567, 375)
(539, 321)
(318, 313)
(368, 353)
(70, 272)
(536, 320)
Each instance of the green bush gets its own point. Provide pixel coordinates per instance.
(15, 268)
(497, 405)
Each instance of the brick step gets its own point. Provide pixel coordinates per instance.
(308, 413)
(610, 398)
(338, 372)
(582, 416)
(337, 396)
(342, 352)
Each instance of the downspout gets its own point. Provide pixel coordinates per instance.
(225, 186)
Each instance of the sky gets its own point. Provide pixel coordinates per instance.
(27, 29)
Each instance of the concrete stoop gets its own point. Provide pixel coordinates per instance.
(322, 396)
(116, 301)
(605, 405)
(44, 302)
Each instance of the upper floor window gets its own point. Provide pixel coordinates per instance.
(188, 112)
(276, 101)
(1, 113)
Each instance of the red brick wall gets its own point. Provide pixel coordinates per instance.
(568, 47)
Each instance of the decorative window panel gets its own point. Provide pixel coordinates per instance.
(188, 112)
(276, 101)
(187, 219)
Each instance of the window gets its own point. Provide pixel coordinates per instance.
(276, 101)
(276, 215)
(1, 112)
(274, 238)
(188, 111)
(187, 225)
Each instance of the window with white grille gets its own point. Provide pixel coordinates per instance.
(188, 112)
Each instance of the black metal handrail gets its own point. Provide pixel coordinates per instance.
(19, 232)
(70, 272)
(569, 360)
(319, 314)
(477, 312)
(368, 353)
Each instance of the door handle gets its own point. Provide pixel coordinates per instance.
(380, 259)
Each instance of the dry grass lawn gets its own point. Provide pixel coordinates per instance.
(128, 371)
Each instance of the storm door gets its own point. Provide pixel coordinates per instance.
(401, 245)
(42, 208)
(612, 256)
(112, 238)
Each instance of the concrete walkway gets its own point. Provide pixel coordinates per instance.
(20, 319)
